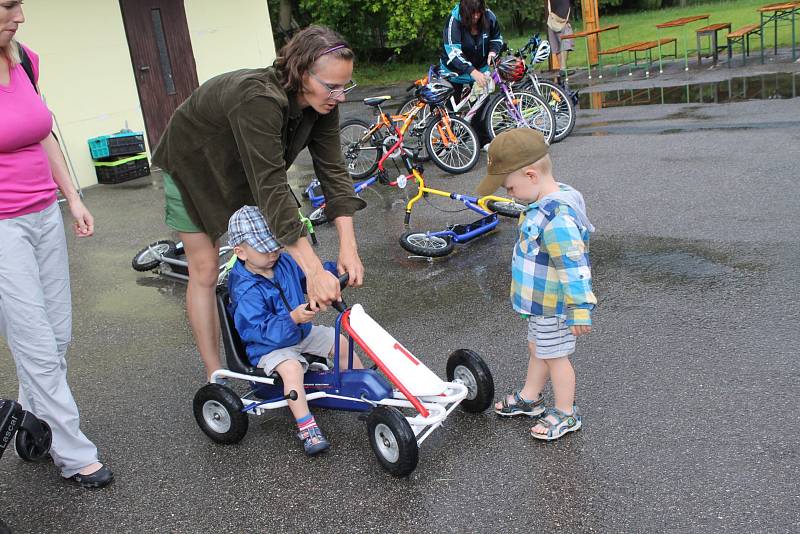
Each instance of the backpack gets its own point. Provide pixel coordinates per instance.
(27, 66)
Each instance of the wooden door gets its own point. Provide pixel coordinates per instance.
(162, 58)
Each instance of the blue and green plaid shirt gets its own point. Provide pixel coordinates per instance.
(550, 268)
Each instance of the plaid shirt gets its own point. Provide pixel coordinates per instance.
(550, 268)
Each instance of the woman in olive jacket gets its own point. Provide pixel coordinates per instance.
(230, 144)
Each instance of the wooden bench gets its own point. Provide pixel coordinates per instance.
(742, 36)
(648, 47)
(614, 52)
(711, 31)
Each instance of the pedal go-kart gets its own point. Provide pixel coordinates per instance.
(33, 435)
(404, 401)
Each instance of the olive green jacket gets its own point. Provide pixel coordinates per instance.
(230, 143)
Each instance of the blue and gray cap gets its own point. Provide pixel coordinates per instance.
(248, 225)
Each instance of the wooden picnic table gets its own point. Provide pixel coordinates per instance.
(677, 23)
(711, 32)
(774, 13)
(588, 33)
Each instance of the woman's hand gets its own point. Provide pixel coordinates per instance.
(480, 78)
(84, 222)
(322, 288)
(350, 263)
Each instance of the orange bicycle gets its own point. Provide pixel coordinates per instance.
(450, 142)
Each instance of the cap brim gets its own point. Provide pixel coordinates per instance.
(490, 184)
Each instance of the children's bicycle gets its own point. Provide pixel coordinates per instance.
(562, 104)
(449, 141)
(442, 243)
(403, 400)
(499, 111)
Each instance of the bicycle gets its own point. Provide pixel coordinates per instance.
(503, 110)
(450, 142)
(562, 104)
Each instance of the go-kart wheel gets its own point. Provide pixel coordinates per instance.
(318, 217)
(393, 441)
(467, 367)
(506, 208)
(218, 411)
(26, 446)
(422, 244)
(148, 258)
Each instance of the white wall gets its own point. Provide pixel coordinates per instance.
(229, 35)
(86, 74)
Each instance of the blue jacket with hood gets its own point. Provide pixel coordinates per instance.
(463, 51)
(260, 307)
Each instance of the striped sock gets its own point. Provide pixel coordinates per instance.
(306, 422)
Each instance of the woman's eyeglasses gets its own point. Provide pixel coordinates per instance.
(335, 91)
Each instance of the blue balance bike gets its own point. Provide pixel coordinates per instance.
(403, 401)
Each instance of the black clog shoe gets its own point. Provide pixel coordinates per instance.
(99, 479)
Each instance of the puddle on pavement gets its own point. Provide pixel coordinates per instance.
(671, 262)
(760, 87)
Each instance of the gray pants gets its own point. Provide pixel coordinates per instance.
(36, 320)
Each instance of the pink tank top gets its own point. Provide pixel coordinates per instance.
(26, 181)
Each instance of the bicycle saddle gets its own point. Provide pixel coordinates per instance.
(376, 100)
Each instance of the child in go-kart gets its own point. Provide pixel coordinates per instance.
(267, 291)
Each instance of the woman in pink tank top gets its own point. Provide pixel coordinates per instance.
(35, 301)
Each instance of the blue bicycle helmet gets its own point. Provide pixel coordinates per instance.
(436, 91)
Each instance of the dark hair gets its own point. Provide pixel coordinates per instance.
(467, 8)
(307, 46)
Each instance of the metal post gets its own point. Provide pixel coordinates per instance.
(685, 47)
(761, 35)
(660, 62)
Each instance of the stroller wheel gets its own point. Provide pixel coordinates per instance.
(28, 449)
(218, 411)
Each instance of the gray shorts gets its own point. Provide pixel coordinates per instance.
(318, 342)
(558, 45)
(551, 335)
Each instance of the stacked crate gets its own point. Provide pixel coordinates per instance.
(119, 157)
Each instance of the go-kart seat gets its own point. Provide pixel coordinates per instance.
(235, 354)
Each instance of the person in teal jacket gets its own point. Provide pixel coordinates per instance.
(471, 38)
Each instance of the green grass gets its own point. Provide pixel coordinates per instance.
(633, 27)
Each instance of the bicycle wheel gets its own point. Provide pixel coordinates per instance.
(562, 106)
(457, 155)
(361, 155)
(414, 138)
(533, 109)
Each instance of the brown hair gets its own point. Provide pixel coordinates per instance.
(298, 55)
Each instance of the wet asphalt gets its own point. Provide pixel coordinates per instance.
(687, 384)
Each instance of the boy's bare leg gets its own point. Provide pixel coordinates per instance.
(291, 373)
(344, 347)
(562, 376)
(202, 254)
(538, 372)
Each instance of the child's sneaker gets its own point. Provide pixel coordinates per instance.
(557, 423)
(313, 440)
(520, 406)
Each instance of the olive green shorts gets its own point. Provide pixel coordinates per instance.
(176, 216)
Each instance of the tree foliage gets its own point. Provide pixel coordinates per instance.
(371, 26)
